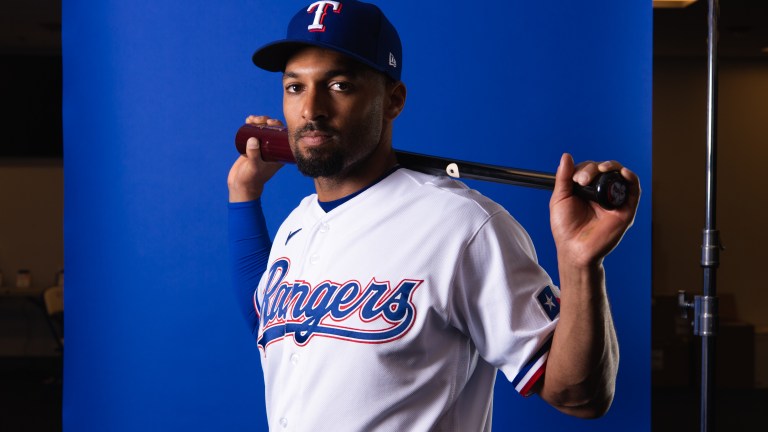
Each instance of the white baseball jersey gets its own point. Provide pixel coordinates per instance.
(393, 311)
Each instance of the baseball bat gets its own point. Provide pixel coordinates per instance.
(608, 189)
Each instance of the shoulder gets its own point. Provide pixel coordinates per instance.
(480, 215)
(445, 191)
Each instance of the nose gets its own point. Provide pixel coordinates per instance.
(315, 105)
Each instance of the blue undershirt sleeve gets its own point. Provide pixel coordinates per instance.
(249, 246)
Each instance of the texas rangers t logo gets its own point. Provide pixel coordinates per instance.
(320, 8)
(376, 313)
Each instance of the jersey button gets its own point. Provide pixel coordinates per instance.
(324, 227)
(294, 358)
(284, 422)
(314, 259)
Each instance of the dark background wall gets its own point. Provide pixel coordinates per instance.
(153, 93)
(679, 160)
(30, 86)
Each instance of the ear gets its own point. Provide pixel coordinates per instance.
(396, 101)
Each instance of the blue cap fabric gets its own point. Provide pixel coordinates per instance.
(356, 29)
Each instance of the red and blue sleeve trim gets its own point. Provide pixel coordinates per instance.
(533, 370)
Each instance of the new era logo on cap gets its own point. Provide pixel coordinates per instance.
(353, 28)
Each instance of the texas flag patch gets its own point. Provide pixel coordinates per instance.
(549, 302)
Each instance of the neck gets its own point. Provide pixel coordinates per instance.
(358, 176)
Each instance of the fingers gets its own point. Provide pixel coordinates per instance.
(564, 171)
(253, 155)
(586, 172)
(256, 120)
(252, 149)
(249, 174)
(252, 145)
(634, 186)
(261, 120)
(563, 184)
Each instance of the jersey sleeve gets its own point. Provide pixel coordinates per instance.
(249, 246)
(505, 302)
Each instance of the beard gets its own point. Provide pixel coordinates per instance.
(320, 163)
(334, 159)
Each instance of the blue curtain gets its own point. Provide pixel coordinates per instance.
(153, 94)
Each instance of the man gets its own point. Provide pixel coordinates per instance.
(390, 298)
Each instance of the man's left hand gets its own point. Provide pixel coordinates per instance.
(583, 231)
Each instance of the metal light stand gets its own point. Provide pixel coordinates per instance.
(705, 307)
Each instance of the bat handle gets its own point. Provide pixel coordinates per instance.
(609, 190)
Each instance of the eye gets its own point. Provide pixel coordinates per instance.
(341, 86)
(292, 88)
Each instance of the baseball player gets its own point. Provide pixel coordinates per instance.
(390, 298)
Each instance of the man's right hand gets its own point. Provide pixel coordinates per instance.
(249, 173)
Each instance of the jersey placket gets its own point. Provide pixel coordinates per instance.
(296, 357)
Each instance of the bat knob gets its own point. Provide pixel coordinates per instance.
(609, 190)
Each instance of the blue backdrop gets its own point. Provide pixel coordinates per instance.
(154, 91)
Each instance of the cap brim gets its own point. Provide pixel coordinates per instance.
(274, 56)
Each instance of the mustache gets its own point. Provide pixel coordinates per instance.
(314, 127)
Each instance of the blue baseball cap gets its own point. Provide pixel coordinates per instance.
(356, 29)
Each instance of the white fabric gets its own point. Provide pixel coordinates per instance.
(462, 280)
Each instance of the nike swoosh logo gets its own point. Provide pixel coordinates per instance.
(291, 234)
